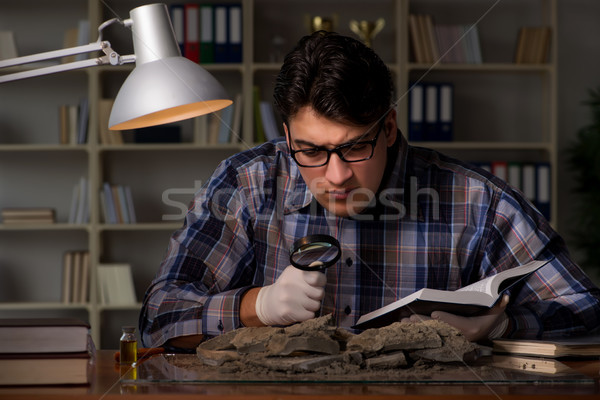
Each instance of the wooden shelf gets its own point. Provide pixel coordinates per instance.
(155, 168)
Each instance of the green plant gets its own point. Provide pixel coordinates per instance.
(584, 159)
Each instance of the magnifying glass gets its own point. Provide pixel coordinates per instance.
(315, 252)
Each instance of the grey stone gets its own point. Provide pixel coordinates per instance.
(387, 361)
(316, 342)
(325, 324)
(221, 342)
(298, 364)
(217, 357)
(254, 340)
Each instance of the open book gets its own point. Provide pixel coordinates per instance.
(468, 300)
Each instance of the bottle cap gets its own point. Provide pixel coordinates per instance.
(128, 329)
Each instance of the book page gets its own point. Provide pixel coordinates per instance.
(483, 285)
(495, 284)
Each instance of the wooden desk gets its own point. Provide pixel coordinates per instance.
(106, 385)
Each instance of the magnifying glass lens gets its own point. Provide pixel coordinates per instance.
(315, 252)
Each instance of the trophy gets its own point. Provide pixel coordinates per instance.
(319, 23)
(367, 30)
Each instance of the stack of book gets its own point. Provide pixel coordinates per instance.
(76, 277)
(28, 215)
(115, 284)
(533, 45)
(106, 136)
(117, 204)
(80, 204)
(433, 43)
(45, 351)
(582, 346)
(73, 122)
(223, 126)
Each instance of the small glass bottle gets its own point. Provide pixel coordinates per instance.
(128, 345)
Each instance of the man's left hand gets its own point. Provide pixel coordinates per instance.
(473, 328)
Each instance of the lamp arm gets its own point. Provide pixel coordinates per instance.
(110, 57)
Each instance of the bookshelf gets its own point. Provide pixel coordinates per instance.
(36, 171)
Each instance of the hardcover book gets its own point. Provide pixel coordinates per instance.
(469, 300)
(585, 346)
(43, 335)
(46, 369)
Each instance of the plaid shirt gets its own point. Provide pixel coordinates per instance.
(439, 223)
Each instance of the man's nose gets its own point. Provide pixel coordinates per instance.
(338, 171)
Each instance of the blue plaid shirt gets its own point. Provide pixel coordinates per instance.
(440, 223)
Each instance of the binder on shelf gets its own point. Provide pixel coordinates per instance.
(207, 34)
(542, 197)
(514, 175)
(528, 182)
(177, 12)
(235, 33)
(500, 169)
(191, 29)
(431, 111)
(445, 129)
(221, 30)
(416, 114)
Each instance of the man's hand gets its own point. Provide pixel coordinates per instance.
(294, 297)
(473, 328)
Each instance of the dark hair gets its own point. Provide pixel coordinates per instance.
(338, 76)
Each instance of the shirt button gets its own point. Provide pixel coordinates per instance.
(347, 310)
(349, 262)
(220, 326)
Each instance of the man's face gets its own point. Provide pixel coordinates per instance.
(343, 188)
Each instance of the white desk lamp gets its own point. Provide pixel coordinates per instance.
(163, 87)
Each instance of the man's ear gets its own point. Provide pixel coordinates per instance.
(286, 134)
(391, 127)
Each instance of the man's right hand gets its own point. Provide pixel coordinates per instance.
(294, 297)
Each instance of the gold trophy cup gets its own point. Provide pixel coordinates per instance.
(320, 23)
(367, 30)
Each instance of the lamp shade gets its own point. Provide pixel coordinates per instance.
(164, 86)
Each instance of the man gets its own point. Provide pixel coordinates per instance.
(406, 218)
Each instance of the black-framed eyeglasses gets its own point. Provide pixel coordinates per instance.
(350, 152)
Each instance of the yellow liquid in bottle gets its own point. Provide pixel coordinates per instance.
(128, 351)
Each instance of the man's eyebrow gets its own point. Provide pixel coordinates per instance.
(359, 138)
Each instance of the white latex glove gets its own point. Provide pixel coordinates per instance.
(295, 296)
